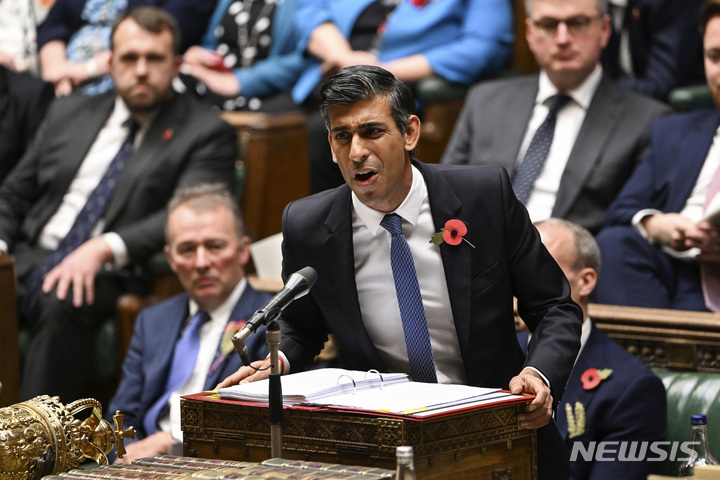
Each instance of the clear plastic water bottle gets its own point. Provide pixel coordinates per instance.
(404, 458)
(701, 450)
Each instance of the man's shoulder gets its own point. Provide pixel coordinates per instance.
(624, 364)
(176, 302)
(502, 86)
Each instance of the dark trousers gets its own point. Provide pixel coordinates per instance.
(637, 273)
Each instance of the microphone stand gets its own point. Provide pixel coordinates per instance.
(275, 401)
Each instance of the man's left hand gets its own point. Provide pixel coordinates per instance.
(78, 270)
(539, 411)
(158, 443)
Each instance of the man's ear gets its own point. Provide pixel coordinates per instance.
(244, 250)
(588, 280)
(334, 158)
(412, 133)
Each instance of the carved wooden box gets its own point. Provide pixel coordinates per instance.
(479, 444)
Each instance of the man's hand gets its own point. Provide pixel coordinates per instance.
(158, 443)
(669, 229)
(78, 270)
(539, 411)
(706, 237)
(248, 374)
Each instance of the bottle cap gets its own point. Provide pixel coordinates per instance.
(404, 451)
(698, 419)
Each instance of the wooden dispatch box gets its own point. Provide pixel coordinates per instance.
(483, 443)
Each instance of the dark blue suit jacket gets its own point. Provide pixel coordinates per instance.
(629, 405)
(664, 180)
(665, 46)
(147, 364)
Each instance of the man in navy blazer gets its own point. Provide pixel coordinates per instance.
(599, 136)
(467, 283)
(611, 396)
(655, 45)
(654, 239)
(207, 249)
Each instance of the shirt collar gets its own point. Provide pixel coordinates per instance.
(224, 310)
(409, 209)
(582, 95)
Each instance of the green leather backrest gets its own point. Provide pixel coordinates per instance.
(689, 393)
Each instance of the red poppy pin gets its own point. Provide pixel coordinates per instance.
(420, 3)
(452, 233)
(168, 134)
(592, 377)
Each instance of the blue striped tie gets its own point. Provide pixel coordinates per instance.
(183, 363)
(407, 289)
(537, 152)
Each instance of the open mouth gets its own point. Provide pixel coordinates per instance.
(365, 177)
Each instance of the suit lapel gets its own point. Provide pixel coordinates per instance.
(695, 146)
(600, 121)
(445, 205)
(592, 356)
(522, 101)
(161, 130)
(84, 135)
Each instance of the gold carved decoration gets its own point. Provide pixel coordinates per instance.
(42, 437)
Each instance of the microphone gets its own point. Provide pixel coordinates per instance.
(297, 285)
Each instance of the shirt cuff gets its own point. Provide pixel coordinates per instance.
(119, 249)
(284, 363)
(3, 246)
(544, 378)
(638, 218)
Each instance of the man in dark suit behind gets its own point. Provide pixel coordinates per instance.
(208, 250)
(611, 396)
(466, 287)
(24, 100)
(659, 235)
(84, 180)
(599, 135)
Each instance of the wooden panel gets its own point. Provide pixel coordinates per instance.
(523, 61)
(273, 149)
(10, 351)
(468, 445)
(663, 338)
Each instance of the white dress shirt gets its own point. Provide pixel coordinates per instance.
(569, 120)
(379, 304)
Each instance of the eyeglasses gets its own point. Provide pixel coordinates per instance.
(576, 25)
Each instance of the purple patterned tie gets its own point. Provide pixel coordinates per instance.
(183, 363)
(407, 289)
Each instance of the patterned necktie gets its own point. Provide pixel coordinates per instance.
(86, 220)
(537, 152)
(412, 313)
(183, 363)
(710, 272)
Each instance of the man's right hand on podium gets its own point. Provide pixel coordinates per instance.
(259, 370)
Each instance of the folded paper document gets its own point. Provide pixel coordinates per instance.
(373, 391)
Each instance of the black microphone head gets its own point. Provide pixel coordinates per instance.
(300, 282)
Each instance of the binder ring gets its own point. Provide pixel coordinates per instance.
(351, 379)
(382, 381)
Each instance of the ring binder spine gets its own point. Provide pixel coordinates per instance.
(382, 381)
(351, 379)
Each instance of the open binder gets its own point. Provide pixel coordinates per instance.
(389, 393)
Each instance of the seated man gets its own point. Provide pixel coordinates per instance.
(655, 45)
(84, 208)
(207, 249)
(24, 100)
(600, 129)
(626, 403)
(658, 248)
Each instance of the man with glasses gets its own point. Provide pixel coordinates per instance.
(569, 137)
